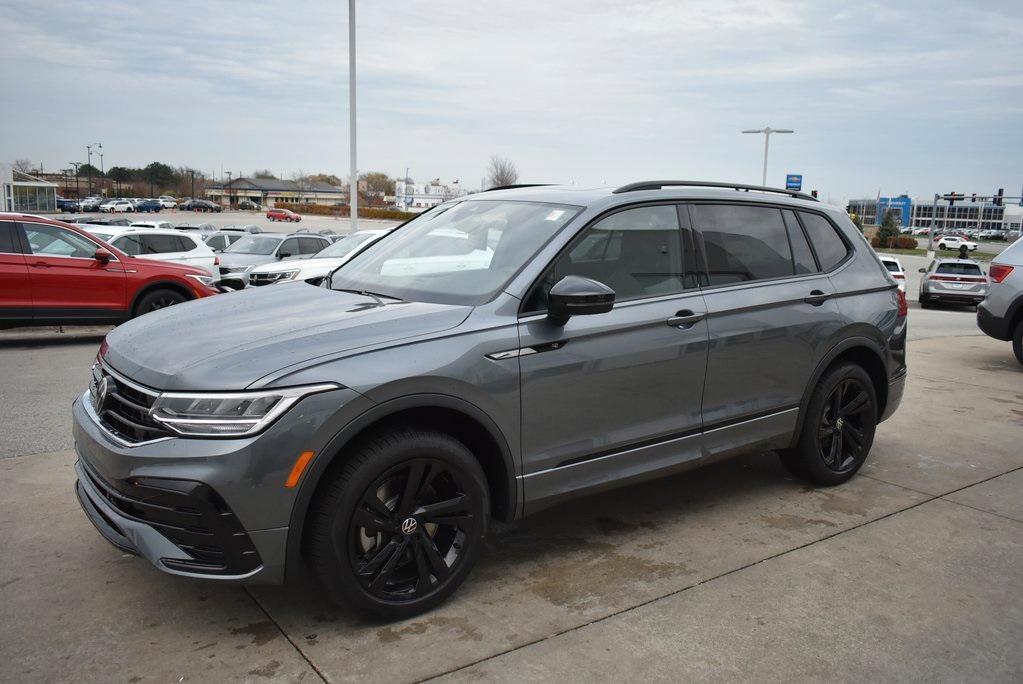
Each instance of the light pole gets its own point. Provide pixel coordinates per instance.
(102, 174)
(353, 182)
(88, 153)
(767, 141)
(78, 193)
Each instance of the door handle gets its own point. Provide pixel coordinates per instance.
(685, 319)
(817, 297)
(40, 264)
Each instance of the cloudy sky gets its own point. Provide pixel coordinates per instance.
(894, 96)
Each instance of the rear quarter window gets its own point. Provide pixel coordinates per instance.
(830, 247)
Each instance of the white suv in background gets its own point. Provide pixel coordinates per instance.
(117, 206)
(159, 244)
(315, 268)
(955, 242)
(167, 202)
(895, 268)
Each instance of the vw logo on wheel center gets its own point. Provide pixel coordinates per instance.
(409, 525)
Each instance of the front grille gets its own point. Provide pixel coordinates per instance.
(190, 514)
(264, 278)
(225, 270)
(123, 407)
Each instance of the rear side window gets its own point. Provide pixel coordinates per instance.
(8, 239)
(802, 257)
(161, 244)
(743, 243)
(891, 266)
(959, 269)
(310, 245)
(185, 243)
(129, 244)
(830, 248)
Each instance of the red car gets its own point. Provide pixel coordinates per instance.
(52, 272)
(283, 215)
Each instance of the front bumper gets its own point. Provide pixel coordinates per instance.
(139, 497)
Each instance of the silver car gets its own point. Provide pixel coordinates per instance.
(952, 281)
(264, 248)
(1000, 315)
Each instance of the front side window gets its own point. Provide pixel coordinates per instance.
(47, 240)
(743, 243)
(289, 248)
(459, 255)
(831, 249)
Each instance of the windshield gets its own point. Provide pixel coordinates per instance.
(462, 255)
(255, 244)
(346, 245)
(891, 266)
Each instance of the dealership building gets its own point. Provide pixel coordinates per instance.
(271, 192)
(964, 214)
(27, 194)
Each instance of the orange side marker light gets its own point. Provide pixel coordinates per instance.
(300, 465)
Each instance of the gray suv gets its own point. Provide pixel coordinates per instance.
(1000, 315)
(494, 356)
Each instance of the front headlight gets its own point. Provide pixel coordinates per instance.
(227, 414)
(205, 280)
(287, 275)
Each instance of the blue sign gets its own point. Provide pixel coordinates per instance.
(794, 181)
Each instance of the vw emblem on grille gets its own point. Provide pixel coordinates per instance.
(102, 389)
(409, 525)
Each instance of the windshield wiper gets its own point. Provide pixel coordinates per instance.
(374, 295)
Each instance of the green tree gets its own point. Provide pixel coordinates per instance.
(84, 169)
(857, 221)
(889, 229)
(377, 181)
(158, 175)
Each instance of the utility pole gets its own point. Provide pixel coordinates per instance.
(88, 153)
(353, 183)
(228, 188)
(767, 131)
(102, 174)
(193, 185)
(78, 193)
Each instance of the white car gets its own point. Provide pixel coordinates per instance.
(315, 268)
(954, 242)
(167, 202)
(158, 244)
(159, 225)
(921, 231)
(895, 268)
(117, 206)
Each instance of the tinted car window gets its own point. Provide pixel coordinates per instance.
(129, 244)
(802, 257)
(185, 243)
(743, 243)
(217, 242)
(160, 244)
(289, 246)
(49, 240)
(891, 266)
(959, 269)
(310, 245)
(830, 248)
(636, 252)
(8, 238)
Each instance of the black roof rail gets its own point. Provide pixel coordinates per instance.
(658, 184)
(519, 185)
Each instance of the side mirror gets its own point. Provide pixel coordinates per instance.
(578, 296)
(922, 270)
(102, 255)
(284, 255)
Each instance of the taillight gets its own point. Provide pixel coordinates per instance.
(216, 260)
(999, 272)
(903, 306)
(899, 276)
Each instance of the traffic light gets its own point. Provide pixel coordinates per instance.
(998, 197)
(974, 198)
(951, 198)
(813, 193)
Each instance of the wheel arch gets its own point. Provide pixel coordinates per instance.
(159, 285)
(456, 417)
(862, 351)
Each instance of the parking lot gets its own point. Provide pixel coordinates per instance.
(910, 571)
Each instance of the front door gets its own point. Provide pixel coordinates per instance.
(615, 396)
(67, 281)
(15, 292)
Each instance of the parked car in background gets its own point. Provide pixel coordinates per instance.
(1000, 315)
(91, 203)
(991, 234)
(895, 268)
(223, 239)
(313, 269)
(117, 206)
(277, 214)
(375, 427)
(952, 281)
(53, 272)
(67, 205)
(921, 231)
(205, 206)
(167, 202)
(161, 244)
(104, 221)
(159, 225)
(204, 230)
(148, 205)
(955, 242)
(246, 228)
(254, 250)
(249, 205)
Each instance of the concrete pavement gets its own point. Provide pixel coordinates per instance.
(736, 571)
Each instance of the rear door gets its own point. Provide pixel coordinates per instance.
(310, 245)
(67, 281)
(770, 312)
(15, 290)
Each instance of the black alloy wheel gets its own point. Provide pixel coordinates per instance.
(842, 433)
(158, 299)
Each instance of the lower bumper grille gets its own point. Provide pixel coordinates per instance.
(190, 514)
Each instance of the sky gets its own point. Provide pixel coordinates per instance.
(892, 97)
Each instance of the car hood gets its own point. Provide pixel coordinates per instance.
(230, 341)
(312, 267)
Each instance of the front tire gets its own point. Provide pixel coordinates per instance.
(838, 428)
(158, 299)
(398, 528)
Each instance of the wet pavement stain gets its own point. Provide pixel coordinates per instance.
(786, 521)
(836, 503)
(467, 632)
(261, 632)
(267, 670)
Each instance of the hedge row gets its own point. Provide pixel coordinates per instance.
(900, 242)
(364, 212)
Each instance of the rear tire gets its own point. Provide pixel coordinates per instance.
(374, 541)
(1017, 342)
(838, 428)
(158, 299)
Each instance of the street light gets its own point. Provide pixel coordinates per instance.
(78, 193)
(767, 141)
(353, 182)
(88, 153)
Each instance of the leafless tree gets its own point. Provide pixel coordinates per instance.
(25, 166)
(501, 172)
